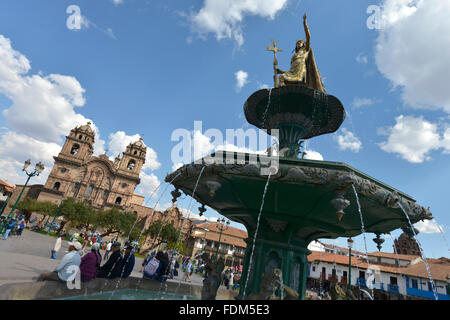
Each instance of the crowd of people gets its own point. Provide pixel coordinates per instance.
(118, 260)
(11, 226)
(118, 265)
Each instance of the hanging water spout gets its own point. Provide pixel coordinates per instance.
(340, 203)
(213, 186)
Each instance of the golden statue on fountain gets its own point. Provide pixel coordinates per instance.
(303, 65)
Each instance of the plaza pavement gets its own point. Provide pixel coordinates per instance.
(23, 259)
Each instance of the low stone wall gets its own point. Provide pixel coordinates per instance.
(48, 290)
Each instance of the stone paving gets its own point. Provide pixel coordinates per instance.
(23, 259)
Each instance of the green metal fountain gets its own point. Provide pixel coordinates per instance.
(305, 199)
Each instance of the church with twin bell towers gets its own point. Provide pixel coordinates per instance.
(97, 180)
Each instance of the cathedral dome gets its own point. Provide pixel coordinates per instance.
(139, 144)
(86, 128)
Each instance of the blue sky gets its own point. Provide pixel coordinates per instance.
(145, 68)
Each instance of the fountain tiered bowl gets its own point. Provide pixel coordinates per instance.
(305, 200)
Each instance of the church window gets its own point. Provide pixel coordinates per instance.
(124, 185)
(75, 149)
(89, 189)
(118, 200)
(80, 137)
(56, 186)
(105, 194)
(63, 170)
(131, 165)
(135, 153)
(76, 186)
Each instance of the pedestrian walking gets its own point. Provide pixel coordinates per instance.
(187, 273)
(9, 227)
(108, 250)
(57, 246)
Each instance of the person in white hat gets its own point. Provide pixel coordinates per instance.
(64, 270)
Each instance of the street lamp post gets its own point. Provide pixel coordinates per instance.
(38, 169)
(350, 244)
(222, 226)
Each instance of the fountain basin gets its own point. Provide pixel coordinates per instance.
(302, 204)
(101, 289)
(312, 112)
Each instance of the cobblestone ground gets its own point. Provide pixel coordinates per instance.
(24, 258)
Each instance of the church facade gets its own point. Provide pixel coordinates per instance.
(100, 182)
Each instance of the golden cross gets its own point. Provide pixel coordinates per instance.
(274, 49)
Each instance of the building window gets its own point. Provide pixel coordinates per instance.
(414, 284)
(63, 170)
(56, 186)
(75, 149)
(76, 186)
(131, 165)
(344, 274)
(393, 280)
(118, 200)
(124, 185)
(362, 275)
(105, 194)
(135, 153)
(430, 287)
(89, 189)
(313, 269)
(80, 137)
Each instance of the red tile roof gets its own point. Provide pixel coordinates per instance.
(407, 257)
(439, 268)
(8, 187)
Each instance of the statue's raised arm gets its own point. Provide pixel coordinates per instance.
(308, 35)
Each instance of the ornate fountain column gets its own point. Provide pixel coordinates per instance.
(274, 251)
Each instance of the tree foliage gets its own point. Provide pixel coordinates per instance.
(27, 205)
(160, 233)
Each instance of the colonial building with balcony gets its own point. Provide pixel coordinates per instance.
(396, 277)
(6, 190)
(206, 237)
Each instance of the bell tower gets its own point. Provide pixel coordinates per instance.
(133, 158)
(79, 143)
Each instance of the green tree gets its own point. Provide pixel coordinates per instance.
(27, 206)
(110, 220)
(167, 233)
(80, 213)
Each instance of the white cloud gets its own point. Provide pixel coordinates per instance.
(313, 155)
(347, 140)
(428, 226)
(241, 79)
(176, 166)
(117, 2)
(118, 142)
(224, 18)
(362, 58)
(42, 114)
(86, 23)
(148, 185)
(362, 102)
(412, 50)
(412, 138)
